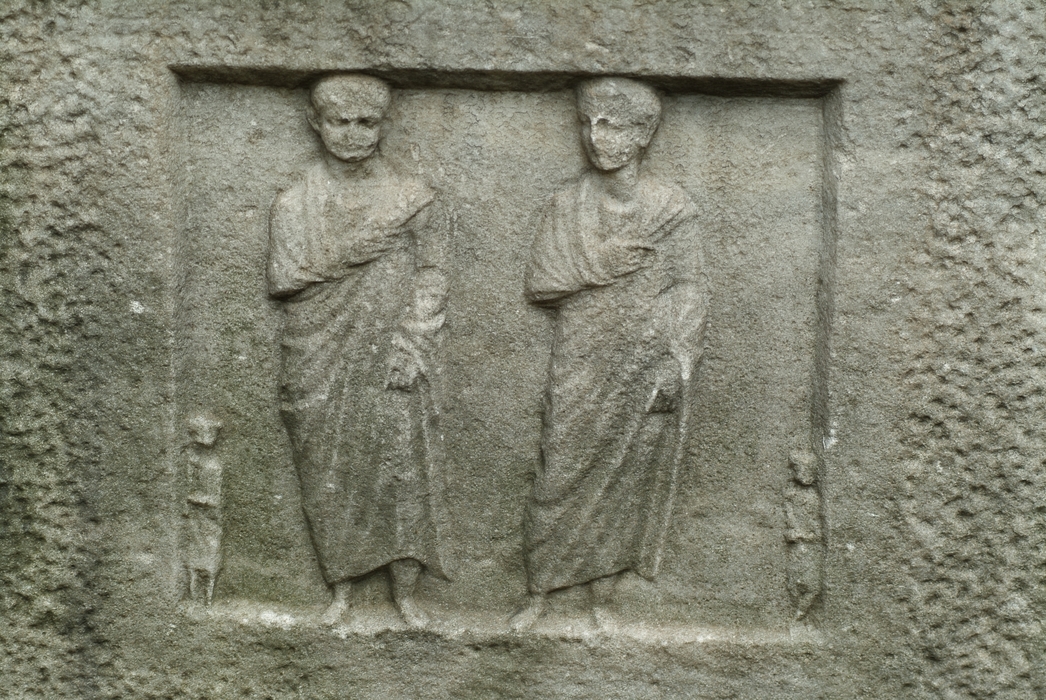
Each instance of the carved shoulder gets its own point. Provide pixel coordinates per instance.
(289, 200)
(284, 201)
(287, 232)
(413, 192)
(669, 200)
(564, 199)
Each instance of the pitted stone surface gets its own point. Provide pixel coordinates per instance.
(903, 146)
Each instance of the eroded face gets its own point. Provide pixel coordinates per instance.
(204, 434)
(350, 129)
(611, 140)
(804, 467)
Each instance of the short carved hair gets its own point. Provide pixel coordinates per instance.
(631, 99)
(354, 87)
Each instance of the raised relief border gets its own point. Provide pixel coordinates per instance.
(348, 281)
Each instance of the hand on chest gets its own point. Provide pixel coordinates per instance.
(356, 212)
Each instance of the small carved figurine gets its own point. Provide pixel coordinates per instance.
(356, 258)
(203, 557)
(618, 260)
(804, 535)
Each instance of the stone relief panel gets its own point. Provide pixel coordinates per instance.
(462, 206)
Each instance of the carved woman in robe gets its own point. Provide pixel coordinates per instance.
(618, 259)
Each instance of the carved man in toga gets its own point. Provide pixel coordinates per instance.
(618, 259)
(356, 256)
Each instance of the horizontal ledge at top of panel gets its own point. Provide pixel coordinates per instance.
(528, 81)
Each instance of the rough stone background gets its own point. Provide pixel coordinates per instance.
(934, 485)
(972, 497)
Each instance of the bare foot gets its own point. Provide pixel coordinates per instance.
(405, 573)
(411, 612)
(339, 604)
(525, 618)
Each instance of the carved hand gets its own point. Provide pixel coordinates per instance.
(404, 370)
(619, 256)
(197, 498)
(668, 388)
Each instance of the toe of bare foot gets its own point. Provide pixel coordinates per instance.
(525, 618)
(334, 613)
(412, 614)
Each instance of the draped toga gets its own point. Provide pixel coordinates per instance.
(623, 354)
(358, 268)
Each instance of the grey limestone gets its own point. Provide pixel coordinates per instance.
(426, 349)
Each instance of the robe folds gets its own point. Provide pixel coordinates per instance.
(617, 400)
(204, 502)
(359, 269)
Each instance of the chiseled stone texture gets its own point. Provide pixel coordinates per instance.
(933, 470)
(972, 498)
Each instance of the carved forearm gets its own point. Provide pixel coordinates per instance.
(688, 311)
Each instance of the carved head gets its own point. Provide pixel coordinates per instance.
(804, 467)
(346, 111)
(203, 429)
(618, 119)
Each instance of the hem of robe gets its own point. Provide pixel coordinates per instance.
(647, 571)
(430, 567)
(546, 573)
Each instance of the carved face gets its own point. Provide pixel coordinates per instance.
(350, 128)
(611, 140)
(618, 119)
(804, 467)
(203, 429)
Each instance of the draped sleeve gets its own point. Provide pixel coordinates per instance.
(288, 267)
(687, 296)
(560, 264)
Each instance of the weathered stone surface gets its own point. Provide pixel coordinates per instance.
(867, 184)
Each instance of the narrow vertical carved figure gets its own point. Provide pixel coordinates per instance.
(804, 538)
(618, 258)
(203, 557)
(356, 256)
